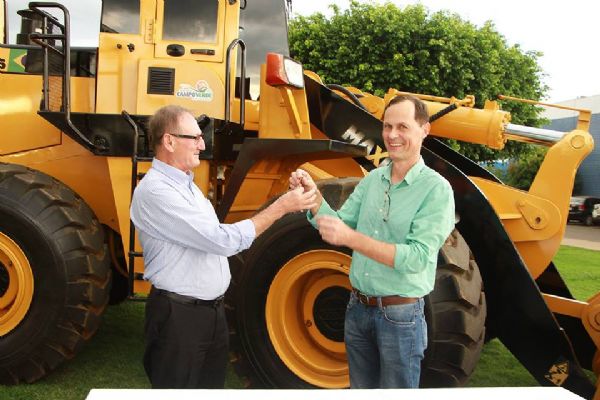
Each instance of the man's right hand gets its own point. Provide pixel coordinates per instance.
(298, 199)
(292, 201)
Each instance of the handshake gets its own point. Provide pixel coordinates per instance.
(303, 194)
(303, 186)
(331, 229)
(301, 178)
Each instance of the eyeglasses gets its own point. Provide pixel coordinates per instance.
(387, 203)
(195, 138)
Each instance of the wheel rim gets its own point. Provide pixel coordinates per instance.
(305, 314)
(16, 284)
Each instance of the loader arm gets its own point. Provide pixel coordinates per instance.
(517, 312)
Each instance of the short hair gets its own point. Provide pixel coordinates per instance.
(165, 119)
(421, 113)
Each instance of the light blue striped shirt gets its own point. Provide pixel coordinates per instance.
(185, 246)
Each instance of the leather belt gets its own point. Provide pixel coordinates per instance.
(385, 300)
(183, 299)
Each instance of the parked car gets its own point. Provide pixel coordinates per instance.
(581, 209)
(596, 214)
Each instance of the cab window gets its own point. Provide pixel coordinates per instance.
(121, 16)
(191, 20)
(263, 26)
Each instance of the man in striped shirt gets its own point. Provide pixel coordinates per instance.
(185, 255)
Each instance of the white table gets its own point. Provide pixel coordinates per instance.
(503, 393)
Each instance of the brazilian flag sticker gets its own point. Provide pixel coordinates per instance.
(16, 61)
(12, 60)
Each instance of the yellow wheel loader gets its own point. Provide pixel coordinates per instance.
(74, 145)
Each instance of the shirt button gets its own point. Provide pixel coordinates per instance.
(376, 232)
(380, 210)
(366, 274)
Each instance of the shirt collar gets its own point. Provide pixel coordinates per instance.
(411, 175)
(171, 172)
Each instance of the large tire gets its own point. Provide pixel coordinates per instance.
(256, 356)
(455, 312)
(287, 303)
(54, 274)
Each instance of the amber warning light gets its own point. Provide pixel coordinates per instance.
(282, 70)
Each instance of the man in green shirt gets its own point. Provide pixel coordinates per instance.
(395, 221)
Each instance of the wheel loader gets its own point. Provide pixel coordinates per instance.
(74, 145)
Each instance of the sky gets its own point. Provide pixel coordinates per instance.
(565, 32)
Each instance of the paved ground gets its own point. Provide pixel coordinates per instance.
(582, 236)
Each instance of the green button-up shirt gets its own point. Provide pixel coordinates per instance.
(416, 214)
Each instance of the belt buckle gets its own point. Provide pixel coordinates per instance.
(363, 298)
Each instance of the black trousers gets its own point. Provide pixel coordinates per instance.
(186, 344)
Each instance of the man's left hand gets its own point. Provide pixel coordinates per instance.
(334, 230)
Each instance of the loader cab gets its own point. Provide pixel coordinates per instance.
(195, 30)
(150, 53)
(157, 52)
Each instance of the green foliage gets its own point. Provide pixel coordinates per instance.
(580, 268)
(521, 171)
(376, 47)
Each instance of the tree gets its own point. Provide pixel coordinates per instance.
(375, 47)
(521, 171)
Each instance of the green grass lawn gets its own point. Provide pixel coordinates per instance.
(580, 268)
(113, 358)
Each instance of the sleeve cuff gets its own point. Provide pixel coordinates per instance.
(247, 232)
(400, 256)
(325, 209)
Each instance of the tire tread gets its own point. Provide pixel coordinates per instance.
(79, 238)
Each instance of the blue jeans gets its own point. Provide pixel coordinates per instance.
(385, 345)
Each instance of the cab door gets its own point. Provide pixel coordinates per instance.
(188, 68)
